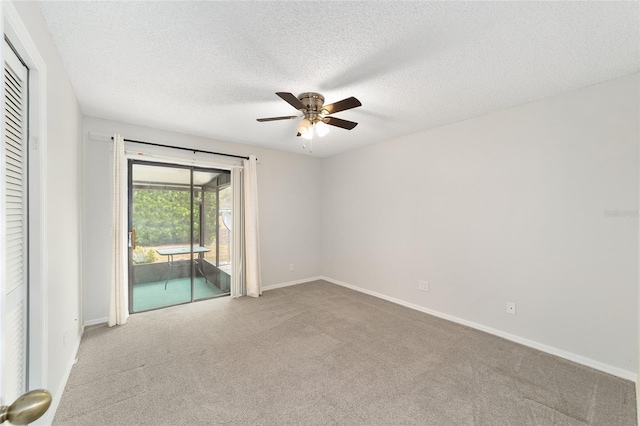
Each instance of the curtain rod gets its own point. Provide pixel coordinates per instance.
(184, 149)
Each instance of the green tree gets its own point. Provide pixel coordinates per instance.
(163, 217)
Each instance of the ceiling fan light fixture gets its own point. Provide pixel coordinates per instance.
(304, 127)
(321, 128)
(309, 133)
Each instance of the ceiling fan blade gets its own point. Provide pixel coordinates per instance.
(288, 117)
(291, 100)
(342, 105)
(338, 122)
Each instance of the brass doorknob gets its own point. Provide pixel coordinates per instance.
(26, 409)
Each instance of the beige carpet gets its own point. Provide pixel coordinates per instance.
(319, 354)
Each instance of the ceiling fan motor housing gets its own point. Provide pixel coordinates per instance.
(313, 103)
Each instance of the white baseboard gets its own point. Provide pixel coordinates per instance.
(47, 419)
(96, 321)
(624, 374)
(290, 283)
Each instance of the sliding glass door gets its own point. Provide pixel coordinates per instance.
(179, 234)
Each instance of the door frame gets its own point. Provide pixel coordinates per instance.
(15, 31)
(130, 164)
(192, 168)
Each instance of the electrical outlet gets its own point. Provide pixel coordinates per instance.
(511, 308)
(423, 285)
(291, 266)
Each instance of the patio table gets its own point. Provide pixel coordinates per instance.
(174, 251)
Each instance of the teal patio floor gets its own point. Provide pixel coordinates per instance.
(153, 295)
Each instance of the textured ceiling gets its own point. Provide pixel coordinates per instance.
(212, 68)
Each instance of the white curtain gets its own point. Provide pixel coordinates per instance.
(251, 231)
(237, 235)
(119, 298)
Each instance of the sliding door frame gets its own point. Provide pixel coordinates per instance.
(192, 168)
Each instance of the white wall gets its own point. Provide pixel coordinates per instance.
(63, 203)
(289, 206)
(504, 207)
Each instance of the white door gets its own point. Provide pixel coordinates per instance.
(13, 221)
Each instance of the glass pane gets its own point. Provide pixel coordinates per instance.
(161, 216)
(225, 229)
(210, 281)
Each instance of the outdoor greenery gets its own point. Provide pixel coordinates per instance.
(163, 217)
(144, 255)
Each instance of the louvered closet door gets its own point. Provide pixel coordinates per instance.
(14, 232)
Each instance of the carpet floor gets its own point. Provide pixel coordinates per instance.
(154, 295)
(320, 354)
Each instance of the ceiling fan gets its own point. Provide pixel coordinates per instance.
(316, 115)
